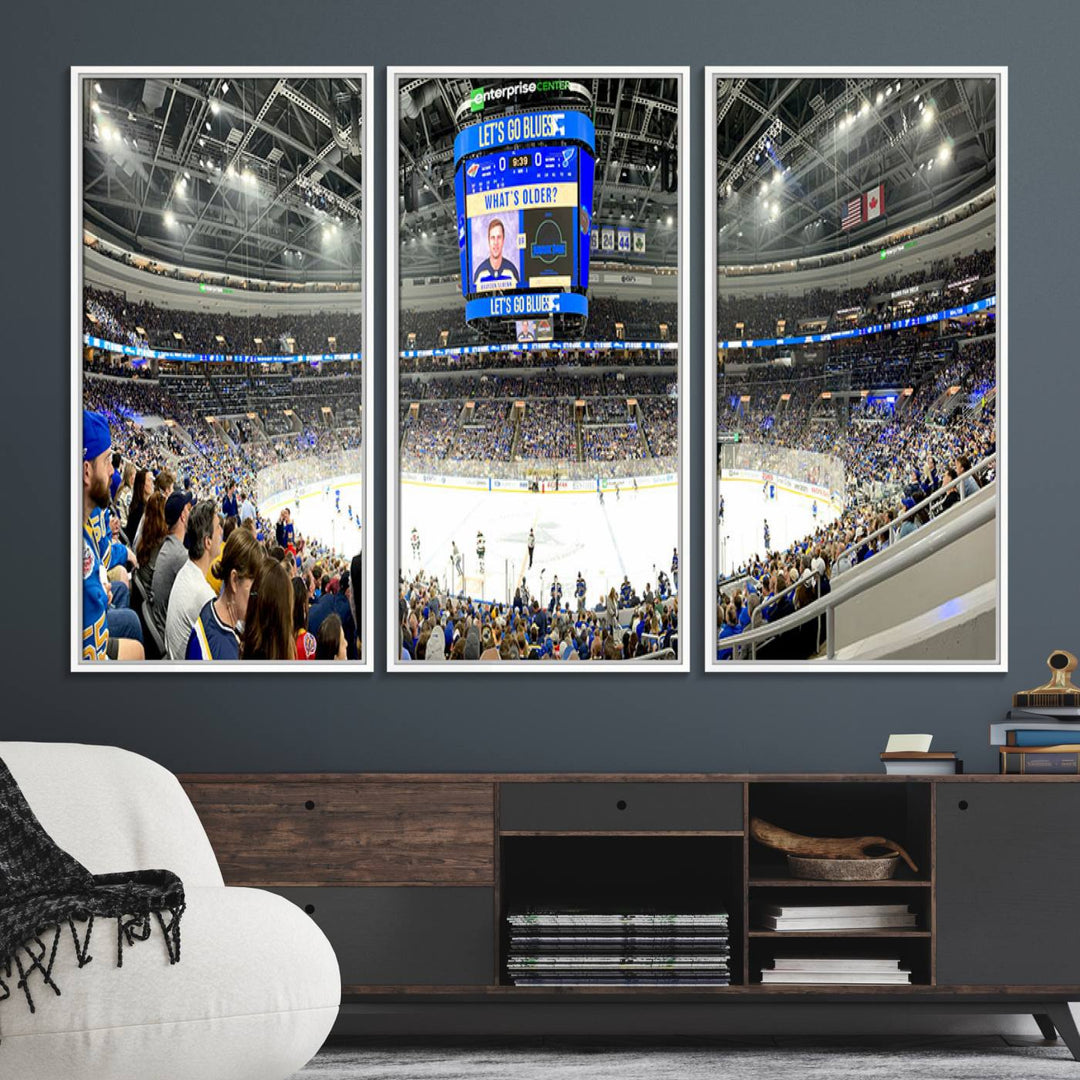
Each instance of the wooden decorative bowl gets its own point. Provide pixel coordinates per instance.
(843, 869)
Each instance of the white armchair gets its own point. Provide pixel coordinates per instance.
(257, 988)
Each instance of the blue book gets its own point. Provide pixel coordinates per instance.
(1044, 737)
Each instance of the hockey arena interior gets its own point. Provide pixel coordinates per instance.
(538, 497)
(856, 502)
(222, 340)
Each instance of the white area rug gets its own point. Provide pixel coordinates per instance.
(930, 1059)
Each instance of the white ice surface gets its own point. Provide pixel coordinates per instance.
(633, 534)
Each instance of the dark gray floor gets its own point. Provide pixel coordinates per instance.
(989, 1057)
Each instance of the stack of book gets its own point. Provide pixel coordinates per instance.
(794, 917)
(916, 763)
(1043, 740)
(869, 970)
(580, 948)
(910, 755)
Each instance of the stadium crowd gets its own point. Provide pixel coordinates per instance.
(436, 626)
(172, 570)
(896, 460)
(438, 425)
(112, 316)
(821, 310)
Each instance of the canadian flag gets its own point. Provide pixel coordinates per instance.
(874, 201)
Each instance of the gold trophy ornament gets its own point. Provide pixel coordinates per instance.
(1059, 692)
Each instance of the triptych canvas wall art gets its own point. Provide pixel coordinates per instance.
(538, 370)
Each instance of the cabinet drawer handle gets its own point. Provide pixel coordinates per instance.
(309, 805)
(309, 908)
(962, 804)
(621, 804)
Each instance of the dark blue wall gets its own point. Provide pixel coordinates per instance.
(531, 722)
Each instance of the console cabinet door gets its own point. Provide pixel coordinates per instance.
(406, 936)
(1008, 884)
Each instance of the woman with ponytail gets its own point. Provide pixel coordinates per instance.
(218, 629)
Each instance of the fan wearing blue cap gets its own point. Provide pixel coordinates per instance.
(97, 471)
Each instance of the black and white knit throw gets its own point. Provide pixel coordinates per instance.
(45, 895)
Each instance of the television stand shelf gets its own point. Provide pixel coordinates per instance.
(411, 876)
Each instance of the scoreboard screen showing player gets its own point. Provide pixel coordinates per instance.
(524, 213)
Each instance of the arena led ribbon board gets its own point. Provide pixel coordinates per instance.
(523, 186)
(856, 370)
(536, 421)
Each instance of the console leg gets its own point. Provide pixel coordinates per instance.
(1046, 1026)
(1062, 1018)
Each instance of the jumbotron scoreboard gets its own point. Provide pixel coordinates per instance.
(523, 185)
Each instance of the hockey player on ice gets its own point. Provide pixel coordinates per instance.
(675, 567)
(768, 538)
(556, 595)
(481, 548)
(813, 509)
(414, 539)
(720, 511)
(532, 544)
(455, 556)
(579, 593)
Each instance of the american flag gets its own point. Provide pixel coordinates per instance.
(853, 214)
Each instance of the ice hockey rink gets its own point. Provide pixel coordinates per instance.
(633, 533)
(316, 517)
(790, 515)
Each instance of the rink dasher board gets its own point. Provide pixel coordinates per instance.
(280, 499)
(790, 487)
(519, 487)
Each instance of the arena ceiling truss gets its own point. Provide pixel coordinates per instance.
(636, 122)
(253, 177)
(793, 152)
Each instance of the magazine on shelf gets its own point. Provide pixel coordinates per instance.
(835, 963)
(828, 911)
(836, 977)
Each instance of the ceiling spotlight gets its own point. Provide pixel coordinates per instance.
(865, 108)
(880, 98)
(230, 172)
(215, 107)
(97, 88)
(944, 152)
(207, 125)
(928, 117)
(202, 141)
(777, 177)
(170, 218)
(888, 90)
(670, 220)
(224, 88)
(95, 107)
(730, 189)
(187, 175)
(764, 187)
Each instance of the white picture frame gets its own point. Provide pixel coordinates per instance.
(999, 663)
(686, 586)
(79, 74)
